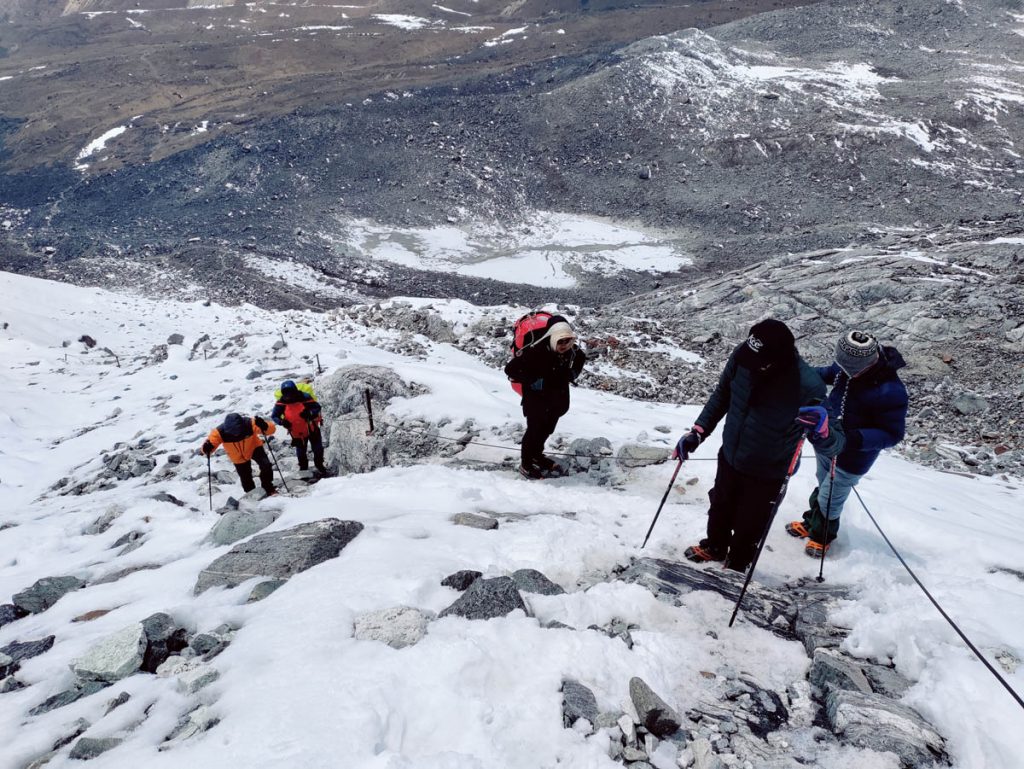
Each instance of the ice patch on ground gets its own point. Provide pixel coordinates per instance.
(552, 250)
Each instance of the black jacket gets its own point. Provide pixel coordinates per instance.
(761, 432)
(545, 376)
(872, 407)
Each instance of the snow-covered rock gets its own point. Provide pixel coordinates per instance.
(115, 657)
(398, 626)
(239, 524)
(45, 593)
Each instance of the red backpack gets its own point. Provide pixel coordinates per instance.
(527, 331)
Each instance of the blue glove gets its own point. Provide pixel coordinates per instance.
(537, 384)
(814, 420)
(688, 443)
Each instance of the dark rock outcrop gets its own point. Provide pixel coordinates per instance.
(486, 599)
(280, 554)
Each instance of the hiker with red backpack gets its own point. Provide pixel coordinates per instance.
(770, 398)
(546, 359)
(298, 411)
(242, 439)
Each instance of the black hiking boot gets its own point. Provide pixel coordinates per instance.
(550, 467)
(531, 472)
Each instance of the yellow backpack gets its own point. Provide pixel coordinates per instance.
(304, 387)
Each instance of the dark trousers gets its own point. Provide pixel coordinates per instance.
(244, 471)
(317, 442)
(740, 507)
(539, 426)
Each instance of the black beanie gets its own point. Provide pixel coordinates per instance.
(769, 342)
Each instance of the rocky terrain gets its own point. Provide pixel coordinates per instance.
(831, 164)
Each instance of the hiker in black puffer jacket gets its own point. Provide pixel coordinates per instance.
(767, 394)
(870, 401)
(545, 369)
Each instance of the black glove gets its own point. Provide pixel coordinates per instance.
(687, 444)
(306, 415)
(286, 424)
(261, 423)
(208, 448)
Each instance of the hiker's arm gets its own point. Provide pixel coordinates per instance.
(718, 403)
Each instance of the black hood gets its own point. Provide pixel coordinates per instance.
(235, 428)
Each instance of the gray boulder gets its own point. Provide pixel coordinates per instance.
(532, 581)
(175, 339)
(877, 723)
(704, 755)
(831, 668)
(105, 521)
(655, 714)
(203, 643)
(9, 613)
(196, 722)
(635, 455)
(91, 747)
(969, 403)
(263, 589)
(586, 452)
(239, 524)
(344, 391)
(885, 680)
(398, 626)
(577, 702)
(12, 655)
(75, 693)
(115, 657)
(129, 464)
(475, 521)
(10, 684)
(351, 450)
(460, 580)
(45, 593)
(280, 554)
(163, 638)
(486, 599)
(191, 681)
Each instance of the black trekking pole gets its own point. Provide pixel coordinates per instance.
(764, 536)
(283, 481)
(369, 410)
(828, 519)
(209, 480)
(670, 485)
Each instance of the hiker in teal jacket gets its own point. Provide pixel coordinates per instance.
(769, 397)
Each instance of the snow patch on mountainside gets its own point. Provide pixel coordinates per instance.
(551, 249)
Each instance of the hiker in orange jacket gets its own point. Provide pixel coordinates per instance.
(242, 439)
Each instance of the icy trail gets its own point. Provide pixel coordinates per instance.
(295, 687)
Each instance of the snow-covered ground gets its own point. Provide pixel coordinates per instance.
(296, 689)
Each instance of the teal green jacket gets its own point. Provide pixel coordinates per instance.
(761, 432)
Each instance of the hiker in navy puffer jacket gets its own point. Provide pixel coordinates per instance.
(871, 402)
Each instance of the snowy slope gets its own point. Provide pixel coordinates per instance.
(296, 689)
